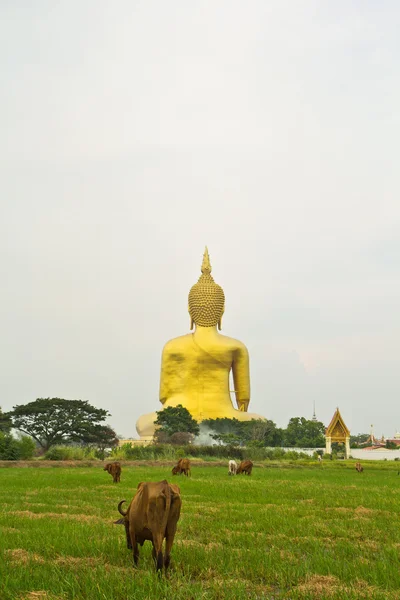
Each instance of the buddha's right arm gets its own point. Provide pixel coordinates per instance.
(241, 377)
(164, 378)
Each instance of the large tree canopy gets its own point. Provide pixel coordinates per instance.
(52, 421)
(176, 419)
(244, 433)
(304, 433)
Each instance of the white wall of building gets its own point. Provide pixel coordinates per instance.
(374, 454)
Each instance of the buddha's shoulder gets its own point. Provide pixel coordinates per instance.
(179, 342)
(232, 343)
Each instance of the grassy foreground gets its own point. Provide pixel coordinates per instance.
(289, 532)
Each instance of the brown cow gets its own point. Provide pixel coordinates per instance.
(152, 515)
(183, 466)
(359, 468)
(115, 470)
(246, 466)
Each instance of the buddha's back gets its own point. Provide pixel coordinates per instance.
(195, 373)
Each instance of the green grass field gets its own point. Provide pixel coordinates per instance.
(289, 531)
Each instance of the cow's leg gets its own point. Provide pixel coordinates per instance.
(157, 551)
(135, 553)
(135, 547)
(169, 540)
(128, 536)
(171, 527)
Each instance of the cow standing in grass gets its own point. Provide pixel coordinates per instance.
(152, 515)
(115, 471)
(182, 467)
(232, 467)
(246, 467)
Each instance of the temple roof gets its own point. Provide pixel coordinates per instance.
(337, 427)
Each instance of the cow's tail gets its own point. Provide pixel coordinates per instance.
(167, 494)
(120, 510)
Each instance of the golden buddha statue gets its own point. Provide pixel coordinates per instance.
(195, 368)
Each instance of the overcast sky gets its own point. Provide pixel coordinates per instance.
(135, 133)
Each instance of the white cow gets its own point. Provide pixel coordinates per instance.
(232, 468)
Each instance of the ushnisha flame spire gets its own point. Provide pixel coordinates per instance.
(206, 298)
(206, 265)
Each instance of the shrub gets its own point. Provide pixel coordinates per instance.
(14, 449)
(70, 453)
(27, 447)
(170, 452)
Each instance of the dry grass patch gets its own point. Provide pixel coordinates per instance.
(41, 595)
(370, 545)
(325, 586)
(211, 509)
(76, 561)
(21, 556)
(317, 586)
(361, 510)
(195, 543)
(339, 509)
(288, 556)
(6, 529)
(188, 543)
(73, 517)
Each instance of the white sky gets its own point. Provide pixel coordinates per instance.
(134, 133)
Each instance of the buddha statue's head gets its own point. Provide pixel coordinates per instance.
(206, 298)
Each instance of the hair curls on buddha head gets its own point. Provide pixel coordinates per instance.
(206, 298)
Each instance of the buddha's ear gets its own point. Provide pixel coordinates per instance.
(191, 320)
(220, 319)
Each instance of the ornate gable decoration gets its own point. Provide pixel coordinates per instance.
(337, 429)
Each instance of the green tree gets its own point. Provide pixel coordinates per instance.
(5, 422)
(98, 436)
(176, 419)
(358, 440)
(261, 433)
(391, 445)
(14, 449)
(245, 433)
(228, 439)
(52, 421)
(304, 433)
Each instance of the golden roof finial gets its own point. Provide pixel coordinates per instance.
(206, 265)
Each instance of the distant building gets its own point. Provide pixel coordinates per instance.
(314, 417)
(395, 439)
(337, 431)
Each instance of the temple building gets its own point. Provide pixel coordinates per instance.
(337, 431)
(395, 439)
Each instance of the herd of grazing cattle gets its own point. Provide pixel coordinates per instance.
(154, 511)
(246, 467)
